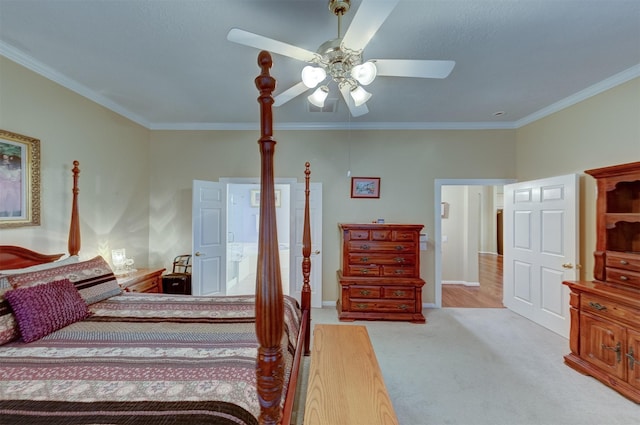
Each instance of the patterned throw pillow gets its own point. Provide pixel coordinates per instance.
(42, 309)
(8, 325)
(93, 278)
(4, 283)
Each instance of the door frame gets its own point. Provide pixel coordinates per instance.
(437, 228)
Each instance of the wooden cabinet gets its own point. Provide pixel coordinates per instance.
(605, 313)
(380, 275)
(142, 280)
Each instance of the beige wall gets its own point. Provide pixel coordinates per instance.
(600, 131)
(407, 162)
(114, 178)
(136, 183)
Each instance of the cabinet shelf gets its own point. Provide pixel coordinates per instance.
(605, 313)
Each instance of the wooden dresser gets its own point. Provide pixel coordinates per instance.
(605, 313)
(380, 276)
(142, 280)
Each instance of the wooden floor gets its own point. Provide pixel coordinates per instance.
(487, 295)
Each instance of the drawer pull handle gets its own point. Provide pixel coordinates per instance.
(403, 307)
(364, 259)
(632, 359)
(399, 272)
(624, 262)
(399, 247)
(365, 246)
(361, 306)
(615, 349)
(399, 260)
(365, 292)
(624, 277)
(398, 293)
(597, 306)
(364, 271)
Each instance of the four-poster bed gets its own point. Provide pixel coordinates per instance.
(149, 358)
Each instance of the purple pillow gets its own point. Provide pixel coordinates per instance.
(42, 309)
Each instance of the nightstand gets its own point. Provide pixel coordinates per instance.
(142, 280)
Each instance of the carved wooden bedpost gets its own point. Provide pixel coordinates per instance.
(74, 227)
(306, 261)
(269, 298)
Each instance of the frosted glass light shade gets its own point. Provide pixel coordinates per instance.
(364, 73)
(360, 95)
(312, 76)
(319, 96)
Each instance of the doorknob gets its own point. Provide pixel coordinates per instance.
(567, 266)
(198, 254)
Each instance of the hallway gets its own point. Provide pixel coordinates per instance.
(487, 295)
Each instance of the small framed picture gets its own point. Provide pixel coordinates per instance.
(365, 187)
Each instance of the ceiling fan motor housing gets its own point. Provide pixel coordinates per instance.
(338, 61)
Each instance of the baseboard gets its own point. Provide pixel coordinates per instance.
(460, 282)
(328, 304)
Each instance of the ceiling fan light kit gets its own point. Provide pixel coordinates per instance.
(341, 58)
(319, 96)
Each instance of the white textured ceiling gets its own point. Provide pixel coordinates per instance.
(168, 64)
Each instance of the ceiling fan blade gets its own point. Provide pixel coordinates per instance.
(368, 18)
(264, 43)
(356, 111)
(414, 68)
(290, 93)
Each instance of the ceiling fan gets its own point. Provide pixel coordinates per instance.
(340, 59)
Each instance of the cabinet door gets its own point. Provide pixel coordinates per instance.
(632, 358)
(602, 344)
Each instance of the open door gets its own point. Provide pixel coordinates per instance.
(209, 238)
(540, 249)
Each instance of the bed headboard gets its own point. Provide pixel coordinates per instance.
(16, 257)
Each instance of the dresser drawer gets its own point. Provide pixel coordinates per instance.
(399, 271)
(364, 270)
(399, 292)
(384, 305)
(381, 258)
(620, 260)
(151, 285)
(381, 235)
(369, 246)
(365, 292)
(623, 277)
(608, 309)
(405, 235)
(358, 235)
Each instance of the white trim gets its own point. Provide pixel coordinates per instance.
(460, 282)
(30, 63)
(437, 238)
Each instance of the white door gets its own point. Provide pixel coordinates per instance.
(315, 218)
(540, 249)
(208, 274)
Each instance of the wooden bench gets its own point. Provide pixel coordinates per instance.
(345, 381)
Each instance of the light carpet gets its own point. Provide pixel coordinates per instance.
(484, 367)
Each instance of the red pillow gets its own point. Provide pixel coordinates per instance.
(42, 309)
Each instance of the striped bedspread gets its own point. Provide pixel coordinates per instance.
(143, 358)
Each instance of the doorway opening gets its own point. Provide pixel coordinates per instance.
(243, 218)
(466, 244)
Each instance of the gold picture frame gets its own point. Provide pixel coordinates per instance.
(19, 180)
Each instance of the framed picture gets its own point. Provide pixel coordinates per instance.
(365, 187)
(255, 198)
(19, 180)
